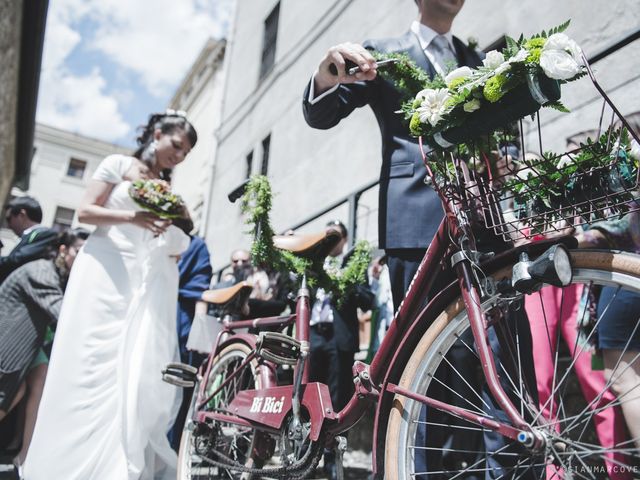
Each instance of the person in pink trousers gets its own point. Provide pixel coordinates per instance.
(550, 316)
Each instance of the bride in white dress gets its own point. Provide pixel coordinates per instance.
(105, 411)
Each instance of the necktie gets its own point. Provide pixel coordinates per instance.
(442, 53)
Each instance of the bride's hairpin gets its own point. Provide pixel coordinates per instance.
(170, 112)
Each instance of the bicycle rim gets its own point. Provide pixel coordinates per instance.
(202, 441)
(566, 414)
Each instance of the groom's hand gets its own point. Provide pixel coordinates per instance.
(335, 61)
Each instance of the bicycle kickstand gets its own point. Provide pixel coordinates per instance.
(341, 447)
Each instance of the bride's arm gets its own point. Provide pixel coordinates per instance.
(92, 210)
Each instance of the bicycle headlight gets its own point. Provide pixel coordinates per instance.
(553, 267)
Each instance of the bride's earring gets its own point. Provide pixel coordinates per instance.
(149, 153)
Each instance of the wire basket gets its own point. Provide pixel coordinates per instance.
(554, 195)
(543, 193)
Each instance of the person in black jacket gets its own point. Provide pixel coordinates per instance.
(23, 216)
(334, 337)
(410, 211)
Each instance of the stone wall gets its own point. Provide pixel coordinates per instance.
(310, 169)
(10, 22)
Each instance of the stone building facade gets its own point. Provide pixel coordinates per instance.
(200, 95)
(62, 165)
(275, 46)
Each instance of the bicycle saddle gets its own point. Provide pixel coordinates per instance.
(313, 246)
(229, 299)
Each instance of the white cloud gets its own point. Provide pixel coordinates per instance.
(157, 39)
(154, 40)
(79, 104)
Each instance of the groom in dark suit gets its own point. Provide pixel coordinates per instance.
(23, 216)
(410, 211)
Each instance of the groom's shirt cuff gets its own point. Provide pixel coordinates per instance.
(312, 98)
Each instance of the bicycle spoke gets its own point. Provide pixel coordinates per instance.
(443, 449)
(554, 390)
(460, 427)
(604, 390)
(455, 370)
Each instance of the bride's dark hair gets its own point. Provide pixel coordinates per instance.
(167, 123)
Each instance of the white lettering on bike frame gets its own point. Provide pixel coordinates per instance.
(267, 405)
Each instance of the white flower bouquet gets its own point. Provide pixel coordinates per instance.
(155, 196)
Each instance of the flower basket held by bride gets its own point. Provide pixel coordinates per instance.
(468, 117)
(155, 196)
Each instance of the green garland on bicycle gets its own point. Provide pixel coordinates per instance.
(256, 205)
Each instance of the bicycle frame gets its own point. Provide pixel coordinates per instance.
(266, 408)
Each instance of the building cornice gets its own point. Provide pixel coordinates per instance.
(53, 135)
(211, 53)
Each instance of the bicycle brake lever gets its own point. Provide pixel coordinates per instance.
(348, 66)
(352, 68)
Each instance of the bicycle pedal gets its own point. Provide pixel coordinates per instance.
(278, 348)
(180, 375)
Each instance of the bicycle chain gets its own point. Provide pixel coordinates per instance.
(278, 472)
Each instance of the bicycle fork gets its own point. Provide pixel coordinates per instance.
(519, 429)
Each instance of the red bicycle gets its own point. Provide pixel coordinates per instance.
(246, 422)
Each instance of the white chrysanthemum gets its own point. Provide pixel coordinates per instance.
(460, 72)
(433, 105)
(493, 59)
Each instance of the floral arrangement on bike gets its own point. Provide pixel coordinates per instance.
(468, 114)
(538, 64)
(155, 196)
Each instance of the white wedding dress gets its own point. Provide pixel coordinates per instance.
(105, 411)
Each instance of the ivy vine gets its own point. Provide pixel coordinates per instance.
(340, 282)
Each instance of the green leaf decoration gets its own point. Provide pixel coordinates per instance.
(256, 206)
(558, 105)
(560, 28)
(590, 173)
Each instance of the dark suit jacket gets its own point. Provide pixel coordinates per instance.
(39, 243)
(346, 329)
(410, 211)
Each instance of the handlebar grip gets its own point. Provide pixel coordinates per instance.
(237, 192)
(348, 65)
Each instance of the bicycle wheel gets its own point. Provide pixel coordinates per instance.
(579, 411)
(203, 442)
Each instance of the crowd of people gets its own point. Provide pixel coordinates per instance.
(120, 302)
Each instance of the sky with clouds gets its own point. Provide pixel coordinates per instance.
(108, 64)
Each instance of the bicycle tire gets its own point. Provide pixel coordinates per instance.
(190, 464)
(589, 268)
